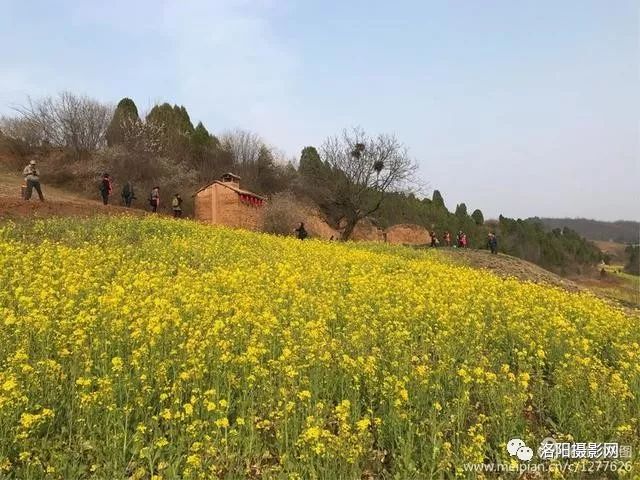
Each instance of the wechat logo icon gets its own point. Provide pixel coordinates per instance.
(517, 448)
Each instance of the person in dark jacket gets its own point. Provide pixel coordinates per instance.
(301, 233)
(492, 243)
(128, 195)
(106, 188)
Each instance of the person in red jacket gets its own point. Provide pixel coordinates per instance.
(106, 188)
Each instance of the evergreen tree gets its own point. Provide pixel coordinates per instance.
(437, 199)
(176, 128)
(161, 115)
(310, 163)
(182, 122)
(201, 139)
(125, 112)
(633, 264)
(461, 210)
(477, 216)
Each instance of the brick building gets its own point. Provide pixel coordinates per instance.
(223, 202)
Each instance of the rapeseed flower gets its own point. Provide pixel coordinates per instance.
(174, 350)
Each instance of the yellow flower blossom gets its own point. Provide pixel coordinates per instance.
(165, 349)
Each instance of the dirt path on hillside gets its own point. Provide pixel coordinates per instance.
(57, 202)
(13, 208)
(508, 266)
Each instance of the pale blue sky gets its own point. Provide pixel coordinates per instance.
(521, 108)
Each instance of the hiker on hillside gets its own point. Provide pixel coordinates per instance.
(128, 194)
(176, 205)
(434, 240)
(447, 239)
(465, 241)
(459, 239)
(301, 233)
(492, 243)
(106, 187)
(32, 179)
(154, 199)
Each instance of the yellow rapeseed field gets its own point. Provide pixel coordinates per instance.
(151, 348)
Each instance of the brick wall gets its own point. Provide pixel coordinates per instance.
(202, 205)
(220, 205)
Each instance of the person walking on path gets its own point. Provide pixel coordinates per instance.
(32, 179)
(434, 240)
(447, 239)
(106, 187)
(301, 232)
(492, 243)
(176, 204)
(128, 194)
(154, 199)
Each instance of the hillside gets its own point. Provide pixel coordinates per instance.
(62, 203)
(58, 202)
(217, 353)
(615, 286)
(619, 232)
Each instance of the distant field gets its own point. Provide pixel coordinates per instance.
(618, 285)
(614, 249)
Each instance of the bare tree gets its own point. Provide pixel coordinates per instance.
(21, 131)
(71, 121)
(244, 146)
(362, 170)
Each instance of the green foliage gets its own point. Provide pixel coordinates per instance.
(477, 216)
(201, 139)
(175, 120)
(314, 179)
(175, 127)
(128, 107)
(437, 199)
(126, 113)
(461, 210)
(182, 120)
(560, 249)
(633, 264)
(265, 171)
(206, 155)
(310, 162)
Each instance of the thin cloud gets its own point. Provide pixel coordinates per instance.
(229, 61)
